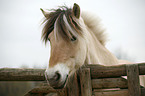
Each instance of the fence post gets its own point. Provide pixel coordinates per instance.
(72, 87)
(133, 80)
(85, 82)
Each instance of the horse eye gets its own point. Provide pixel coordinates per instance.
(73, 38)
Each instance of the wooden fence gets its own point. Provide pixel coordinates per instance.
(89, 80)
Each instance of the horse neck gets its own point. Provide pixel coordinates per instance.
(97, 53)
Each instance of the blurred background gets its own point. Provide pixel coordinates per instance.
(20, 31)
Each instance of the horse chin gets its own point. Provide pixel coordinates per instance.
(61, 85)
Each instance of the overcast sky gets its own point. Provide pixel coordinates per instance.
(20, 29)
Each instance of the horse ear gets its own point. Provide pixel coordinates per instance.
(44, 12)
(76, 10)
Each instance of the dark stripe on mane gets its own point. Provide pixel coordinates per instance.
(57, 14)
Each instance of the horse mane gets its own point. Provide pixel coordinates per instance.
(93, 23)
(62, 22)
(70, 28)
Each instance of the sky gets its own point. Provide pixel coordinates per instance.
(20, 28)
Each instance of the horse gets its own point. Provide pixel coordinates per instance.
(76, 38)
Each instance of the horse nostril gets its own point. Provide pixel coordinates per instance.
(57, 76)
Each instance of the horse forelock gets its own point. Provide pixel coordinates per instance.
(62, 22)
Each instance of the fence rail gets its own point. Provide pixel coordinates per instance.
(97, 71)
(89, 80)
(21, 74)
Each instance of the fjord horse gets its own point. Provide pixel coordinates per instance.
(76, 38)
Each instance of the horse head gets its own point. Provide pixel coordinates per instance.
(75, 39)
(64, 29)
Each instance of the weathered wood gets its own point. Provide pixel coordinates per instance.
(85, 82)
(100, 71)
(97, 71)
(72, 87)
(45, 89)
(122, 92)
(17, 74)
(133, 80)
(109, 83)
(142, 91)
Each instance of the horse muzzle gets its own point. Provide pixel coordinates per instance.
(57, 80)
